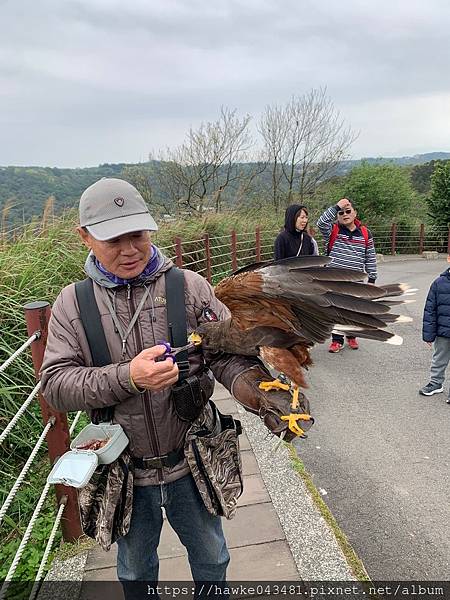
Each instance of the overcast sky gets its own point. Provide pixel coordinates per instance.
(92, 81)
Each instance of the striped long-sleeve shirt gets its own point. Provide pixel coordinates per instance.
(349, 250)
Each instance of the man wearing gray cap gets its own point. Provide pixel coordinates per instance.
(129, 282)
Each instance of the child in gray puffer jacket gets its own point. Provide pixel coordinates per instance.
(436, 332)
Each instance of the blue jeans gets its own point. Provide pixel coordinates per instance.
(199, 531)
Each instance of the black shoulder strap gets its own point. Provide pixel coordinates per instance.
(92, 324)
(176, 317)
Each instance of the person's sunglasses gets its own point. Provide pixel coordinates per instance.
(347, 211)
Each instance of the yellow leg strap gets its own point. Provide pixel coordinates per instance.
(295, 401)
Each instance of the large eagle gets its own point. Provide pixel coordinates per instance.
(280, 309)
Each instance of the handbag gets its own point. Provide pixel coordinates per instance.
(212, 452)
(106, 502)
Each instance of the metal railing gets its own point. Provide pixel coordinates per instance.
(217, 257)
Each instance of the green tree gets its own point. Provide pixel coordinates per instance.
(421, 177)
(381, 192)
(439, 199)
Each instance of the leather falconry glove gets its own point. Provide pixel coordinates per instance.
(270, 406)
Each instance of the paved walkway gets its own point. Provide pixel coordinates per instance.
(256, 540)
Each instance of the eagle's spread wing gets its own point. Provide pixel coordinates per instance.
(302, 297)
(294, 303)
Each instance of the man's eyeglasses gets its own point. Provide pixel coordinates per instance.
(347, 211)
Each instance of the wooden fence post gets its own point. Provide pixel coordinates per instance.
(258, 244)
(208, 257)
(233, 251)
(37, 315)
(421, 238)
(393, 238)
(178, 252)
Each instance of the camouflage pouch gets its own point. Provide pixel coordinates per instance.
(106, 502)
(212, 452)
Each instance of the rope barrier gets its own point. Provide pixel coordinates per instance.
(25, 539)
(75, 421)
(36, 335)
(24, 471)
(48, 547)
(19, 413)
(27, 534)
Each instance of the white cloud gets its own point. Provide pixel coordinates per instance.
(105, 81)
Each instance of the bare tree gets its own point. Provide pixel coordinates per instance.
(140, 177)
(251, 184)
(196, 173)
(273, 127)
(304, 141)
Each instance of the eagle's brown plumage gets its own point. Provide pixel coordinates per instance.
(280, 309)
(242, 294)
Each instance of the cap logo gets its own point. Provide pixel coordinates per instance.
(119, 201)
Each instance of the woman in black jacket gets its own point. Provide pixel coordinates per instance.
(294, 240)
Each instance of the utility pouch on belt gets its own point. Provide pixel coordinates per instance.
(188, 398)
(212, 451)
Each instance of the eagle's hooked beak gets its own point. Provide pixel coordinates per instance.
(195, 338)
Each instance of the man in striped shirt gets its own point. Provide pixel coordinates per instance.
(349, 244)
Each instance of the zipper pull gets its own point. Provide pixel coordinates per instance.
(129, 292)
(123, 347)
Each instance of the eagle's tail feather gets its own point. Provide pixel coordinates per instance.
(397, 289)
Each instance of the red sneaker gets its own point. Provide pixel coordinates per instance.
(335, 347)
(353, 344)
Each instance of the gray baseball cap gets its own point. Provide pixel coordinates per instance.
(112, 207)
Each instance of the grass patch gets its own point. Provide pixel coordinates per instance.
(68, 551)
(352, 558)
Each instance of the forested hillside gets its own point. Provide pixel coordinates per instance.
(24, 191)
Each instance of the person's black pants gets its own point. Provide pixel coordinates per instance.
(340, 338)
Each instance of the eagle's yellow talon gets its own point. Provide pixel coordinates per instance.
(273, 385)
(292, 421)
